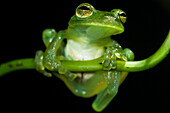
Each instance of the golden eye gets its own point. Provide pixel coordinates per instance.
(122, 16)
(84, 10)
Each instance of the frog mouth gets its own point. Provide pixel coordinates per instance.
(105, 25)
(103, 30)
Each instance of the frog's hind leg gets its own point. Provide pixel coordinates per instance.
(105, 97)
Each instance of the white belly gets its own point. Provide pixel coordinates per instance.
(82, 51)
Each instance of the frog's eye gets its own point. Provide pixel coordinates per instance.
(122, 16)
(84, 10)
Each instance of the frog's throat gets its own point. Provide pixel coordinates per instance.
(92, 32)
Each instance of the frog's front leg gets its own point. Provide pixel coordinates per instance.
(47, 36)
(50, 59)
(114, 51)
(112, 77)
(39, 64)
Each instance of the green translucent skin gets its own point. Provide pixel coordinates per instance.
(90, 62)
(87, 38)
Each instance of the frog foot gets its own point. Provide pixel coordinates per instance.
(63, 71)
(52, 65)
(39, 64)
(110, 57)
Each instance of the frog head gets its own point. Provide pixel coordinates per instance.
(97, 24)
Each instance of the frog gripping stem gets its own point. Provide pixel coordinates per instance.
(86, 58)
(94, 65)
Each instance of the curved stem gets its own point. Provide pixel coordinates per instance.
(95, 65)
(20, 64)
(129, 66)
(153, 60)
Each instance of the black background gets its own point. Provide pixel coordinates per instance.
(22, 23)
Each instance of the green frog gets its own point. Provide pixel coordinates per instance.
(87, 37)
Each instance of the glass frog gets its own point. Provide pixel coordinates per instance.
(87, 37)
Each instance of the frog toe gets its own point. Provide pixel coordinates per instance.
(129, 54)
(48, 35)
(68, 74)
(39, 64)
(106, 62)
(109, 59)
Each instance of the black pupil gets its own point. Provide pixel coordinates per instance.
(84, 8)
(122, 14)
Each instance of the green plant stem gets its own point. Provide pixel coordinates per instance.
(19, 64)
(151, 61)
(129, 66)
(95, 65)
